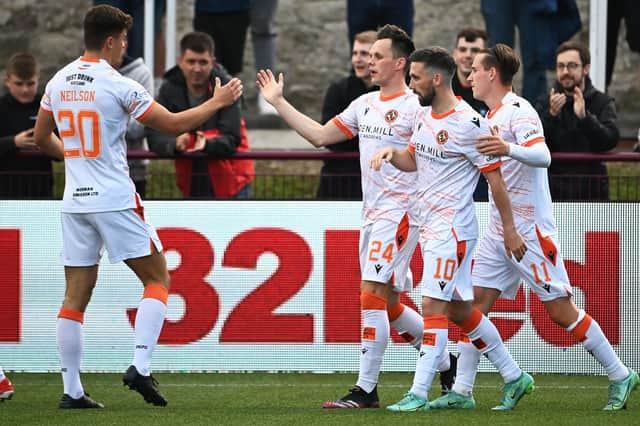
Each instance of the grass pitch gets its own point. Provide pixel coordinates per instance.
(288, 398)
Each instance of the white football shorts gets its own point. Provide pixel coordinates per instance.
(123, 233)
(446, 272)
(386, 249)
(542, 267)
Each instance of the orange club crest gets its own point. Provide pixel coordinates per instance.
(391, 116)
(442, 137)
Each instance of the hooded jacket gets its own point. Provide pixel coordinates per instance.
(227, 135)
(21, 176)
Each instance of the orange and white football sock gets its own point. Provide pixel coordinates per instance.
(468, 359)
(375, 337)
(485, 337)
(70, 347)
(407, 322)
(588, 331)
(152, 310)
(434, 342)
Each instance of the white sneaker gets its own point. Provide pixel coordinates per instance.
(264, 107)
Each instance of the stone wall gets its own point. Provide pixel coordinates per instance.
(312, 42)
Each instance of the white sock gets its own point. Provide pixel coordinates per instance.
(375, 338)
(149, 321)
(407, 322)
(468, 359)
(485, 337)
(588, 331)
(445, 360)
(2, 376)
(70, 346)
(434, 341)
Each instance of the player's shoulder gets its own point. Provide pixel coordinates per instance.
(519, 106)
(62, 73)
(468, 118)
(365, 97)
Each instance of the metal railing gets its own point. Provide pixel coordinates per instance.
(296, 175)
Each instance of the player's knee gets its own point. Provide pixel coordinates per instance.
(562, 311)
(160, 278)
(458, 314)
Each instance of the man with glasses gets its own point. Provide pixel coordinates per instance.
(577, 118)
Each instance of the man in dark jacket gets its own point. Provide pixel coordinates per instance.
(340, 179)
(22, 176)
(577, 118)
(188, 84)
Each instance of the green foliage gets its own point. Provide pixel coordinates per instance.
(624, 181)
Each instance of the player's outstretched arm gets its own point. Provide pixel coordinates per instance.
(161, 119)
(536, 155)
(317, 134)
(404, 160)
(513, 241)
(44, 137)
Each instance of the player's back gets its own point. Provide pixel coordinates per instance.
(448, 169)
(91, 103)
(528, 187)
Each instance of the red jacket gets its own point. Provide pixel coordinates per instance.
(227, 175)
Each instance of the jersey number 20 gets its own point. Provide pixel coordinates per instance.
(76, 125)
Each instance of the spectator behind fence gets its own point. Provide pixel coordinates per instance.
(365, 15)
(226, 22)
(577, 118)
(22, 176)
(469, 42)
(188, 84)
(617, 10)
(542, 26)
(340, 179)
(137, 70)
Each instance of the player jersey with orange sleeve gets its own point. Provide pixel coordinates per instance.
(380, 122)
(91, 104)
(528, 187)
(449, 166)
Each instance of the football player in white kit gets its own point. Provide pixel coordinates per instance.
(388, 236)
(443, 152)
(517, 135)
(6, 387)
(90, 102)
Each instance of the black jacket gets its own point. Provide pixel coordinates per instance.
(21, 177)
(175, 97)
(340, 179)
(596, 132)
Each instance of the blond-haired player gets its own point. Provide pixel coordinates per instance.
(90, 104)
(517, 136)
(443, 152)
(388, 236)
